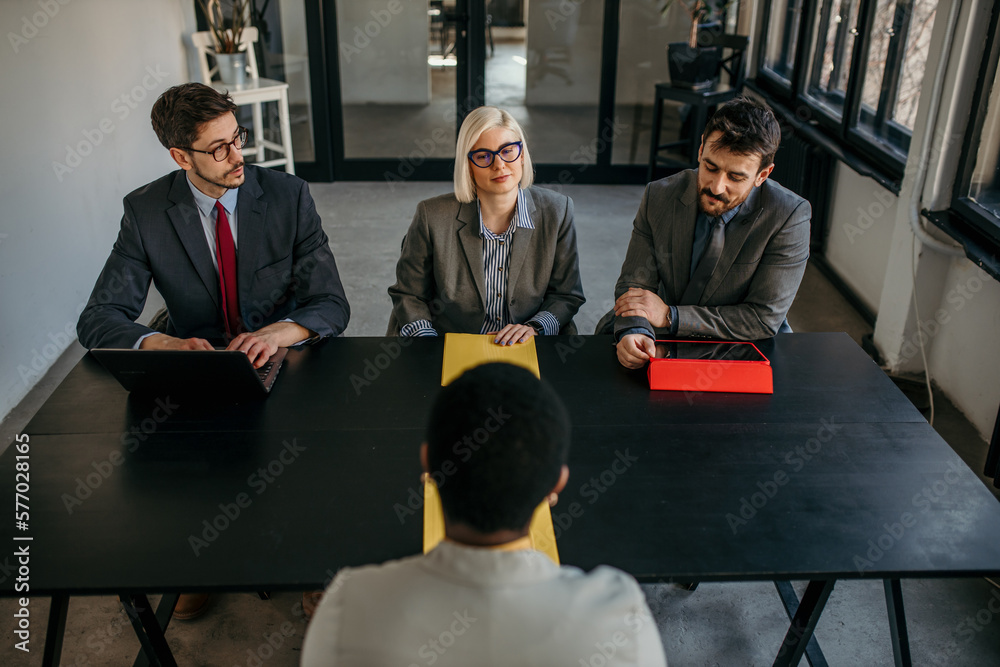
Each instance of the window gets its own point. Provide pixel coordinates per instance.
(977, 192)
(835, 27)
(783, 31)
(859, 69)
(897, 55)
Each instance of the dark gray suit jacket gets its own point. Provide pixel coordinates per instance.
(439, 276)
(754, 284)
(285, 268)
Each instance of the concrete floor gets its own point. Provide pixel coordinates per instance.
(950, 621)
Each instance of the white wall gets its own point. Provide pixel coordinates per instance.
(383, 51)
(862, 219)
(964, 359)
(79, 79)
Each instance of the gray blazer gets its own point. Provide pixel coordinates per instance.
(284, 264)
(440, 278)
(754, 284)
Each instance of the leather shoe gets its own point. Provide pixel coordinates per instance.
(190, 606)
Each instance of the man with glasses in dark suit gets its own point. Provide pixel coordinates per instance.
(237, 252)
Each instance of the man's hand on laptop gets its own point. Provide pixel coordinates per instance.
(164, 342)
(261, 344)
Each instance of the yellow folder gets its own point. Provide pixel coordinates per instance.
(465, 351)
(543, 536)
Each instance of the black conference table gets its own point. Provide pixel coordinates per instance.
(834, 476)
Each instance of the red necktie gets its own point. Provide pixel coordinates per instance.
(225, 253)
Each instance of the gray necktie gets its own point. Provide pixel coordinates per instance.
(706, 266)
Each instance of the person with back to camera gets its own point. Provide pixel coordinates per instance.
(496, 257)
(483, 596)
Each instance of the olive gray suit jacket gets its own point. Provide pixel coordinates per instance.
(285, 268)
(440, 276)
(763, 258)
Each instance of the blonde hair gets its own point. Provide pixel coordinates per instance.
(478, 121)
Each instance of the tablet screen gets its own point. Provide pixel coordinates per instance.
(721, 351)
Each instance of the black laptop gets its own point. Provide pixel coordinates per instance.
(221, 373)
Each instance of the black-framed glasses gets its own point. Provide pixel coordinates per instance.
(221, 151)
(484, 158)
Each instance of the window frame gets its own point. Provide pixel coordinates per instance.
(984, 222)
(847, 129)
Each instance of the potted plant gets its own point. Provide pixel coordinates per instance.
(694, 65)
(227, 35)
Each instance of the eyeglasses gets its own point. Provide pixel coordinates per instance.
(484, 158)
(221, 151)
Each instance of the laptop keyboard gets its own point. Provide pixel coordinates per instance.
(264, 370)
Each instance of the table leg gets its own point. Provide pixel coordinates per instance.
(897, 622)
(56, 629)
(800, 632)
(654, 142)
(790, 601)
(149, 627)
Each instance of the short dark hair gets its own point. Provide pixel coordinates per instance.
(180, 111)
(748, 127)
(496, 443)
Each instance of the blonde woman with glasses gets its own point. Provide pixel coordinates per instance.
(496, 257)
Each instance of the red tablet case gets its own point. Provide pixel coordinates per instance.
(748, 377)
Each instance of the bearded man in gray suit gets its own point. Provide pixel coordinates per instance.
(718, 251)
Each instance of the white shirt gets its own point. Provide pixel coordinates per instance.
(461, 605)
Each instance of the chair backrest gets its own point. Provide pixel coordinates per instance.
(733, 64)
(205, 46)
(735, 61)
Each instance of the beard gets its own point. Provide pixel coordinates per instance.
(228, 181)
(727, 203)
